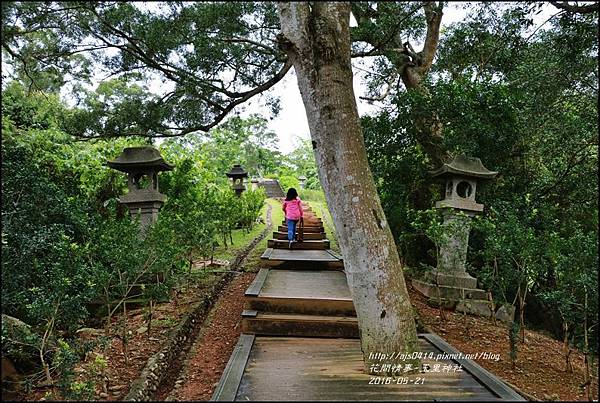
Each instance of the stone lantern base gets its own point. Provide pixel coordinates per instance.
(459, 293)
(147, 211)
(146, 203)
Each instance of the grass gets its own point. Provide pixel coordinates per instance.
(276, 212)
(310, 195)
(321, 210)
(253, 262)
(241, 238)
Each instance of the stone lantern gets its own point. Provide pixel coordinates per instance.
(302, 180)
(142, 165)
(237, 175)
(450, 278)
(254, 184)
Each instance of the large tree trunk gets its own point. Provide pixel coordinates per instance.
(317, 39)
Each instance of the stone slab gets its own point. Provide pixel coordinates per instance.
(447, 292)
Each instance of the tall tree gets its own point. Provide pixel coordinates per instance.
(217, 56)
(316, 38)
(383, 31)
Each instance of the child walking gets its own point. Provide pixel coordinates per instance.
(292, 207)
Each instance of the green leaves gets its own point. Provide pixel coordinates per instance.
(214, 57)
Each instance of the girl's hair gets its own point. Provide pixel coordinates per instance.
(291, 194)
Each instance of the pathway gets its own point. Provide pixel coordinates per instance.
(300, 341)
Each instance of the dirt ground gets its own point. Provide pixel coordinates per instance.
(540, 369)
(122, 371)
(540, 364)
(209, 354)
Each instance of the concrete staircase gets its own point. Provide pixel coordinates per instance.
(272, 188)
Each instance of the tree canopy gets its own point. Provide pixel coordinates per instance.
(519, 93)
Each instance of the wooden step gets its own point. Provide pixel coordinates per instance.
(314, 292)
(307, 236)
(305, 306)
(279, 324)
(307, 229)
(302, 259)
(264, 368)
(307, 222)
(305, 245)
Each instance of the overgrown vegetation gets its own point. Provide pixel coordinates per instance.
(67, 244)
(525, 103)
(521, 97)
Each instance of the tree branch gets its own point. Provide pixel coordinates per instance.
(434, 18)
(251, 42)
(205, 127)
(575, 8)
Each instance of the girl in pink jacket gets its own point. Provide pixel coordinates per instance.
(292, 206)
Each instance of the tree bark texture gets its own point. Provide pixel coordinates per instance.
(316, 37)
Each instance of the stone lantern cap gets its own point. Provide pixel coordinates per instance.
(302, 178)
(462, 165)
(237, 172)
(140, 158)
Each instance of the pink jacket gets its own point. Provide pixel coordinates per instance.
(293, 209)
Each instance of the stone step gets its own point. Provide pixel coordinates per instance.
(272, 188)
(280, 324)
(450, 279)
(307, 236)
(310, 245)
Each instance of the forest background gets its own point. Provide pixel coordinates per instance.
(525, 104)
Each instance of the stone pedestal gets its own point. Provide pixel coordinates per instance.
(453, 251)
(146, 203)
(450, 277)
(450, 284)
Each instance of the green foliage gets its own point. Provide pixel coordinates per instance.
(66, 241)
(302, 160)
(312, 195)
(228, 56)
(45, 270)
(430, 223)
(64, 363)
(526, 104)
(288, 181)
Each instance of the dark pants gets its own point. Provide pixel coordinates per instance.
(291, 224)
